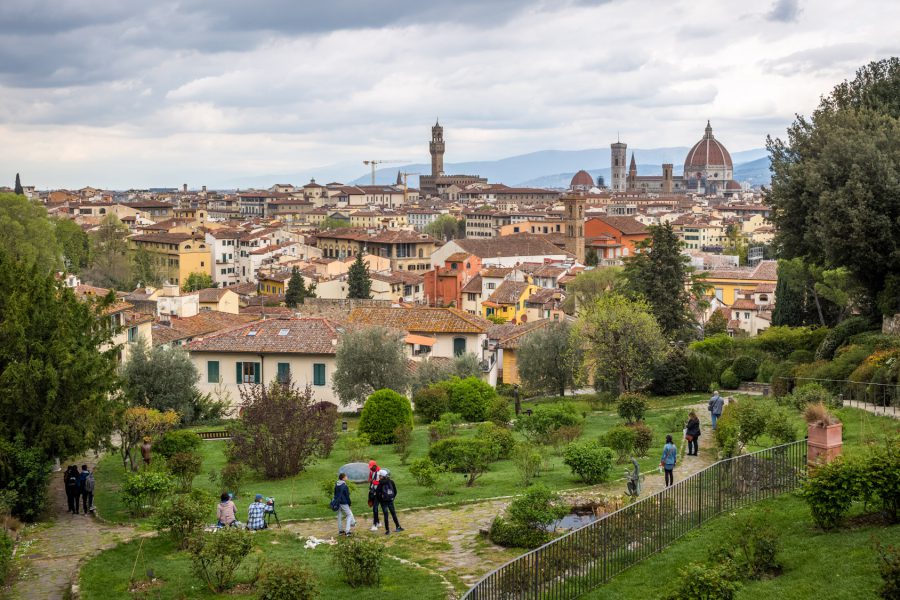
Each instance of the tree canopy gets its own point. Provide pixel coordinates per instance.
(27, 233)
(111, 266)
(297, 291)
(359, 284)
(445, 228)
(549, 360)
(162, 378)
(197, 281)
(74, 244)
(19, 190)
(590, 285)
(368, 360)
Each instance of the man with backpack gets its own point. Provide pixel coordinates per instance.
(86, 487)
(70, 481)
(386, 492)
(341, 504)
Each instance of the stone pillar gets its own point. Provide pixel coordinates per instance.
(824, 443)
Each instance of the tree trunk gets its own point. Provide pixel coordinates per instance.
(818, 306)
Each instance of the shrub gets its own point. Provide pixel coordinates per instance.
(185, 466)
(444, 427)
(545, 420)
(23, 479)
(621, 439)
(528, 519)
(781, 378)
(802, 356)
(817, 414)
(632, 407)
(781, 427)
(176, 442)
(726, 433)
(880, 469)
(500, 439)
(744, 422)
(463, 455)
(840, 334)
(565, 435)
(714, 582)
(781, 341)
(506, 534)
(431, 403)
(142, 492)
(702, 371)
(829, 491)
(360, 560)
(589, 460)
(357, 447)
(671, 375)
(715, 346)
(529, 461)
(431, 475)
(183, 516)
(752, 546)
(889, 569)
(745, 367)
(812, 393)
(280, 581)
(383, 412)
(6, 548)
(471, 397)
(403, 441)
(643, 438)
(500, 412)
(729, 380)
(232, 477)
(217, 557)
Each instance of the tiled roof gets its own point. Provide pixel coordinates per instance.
(766, 270)
(420, 319)
(310, 335)
(510, 340)
(496, 272)
(212, 294)
(89, 291)
(544, 295)
(509, 292)
(473, 286)
(384, 236)
(458, 257)
(203, 323)
(627, 225)
(744, 304)
(242, 289)
(764, 288)
(520, 244)
(163, 238)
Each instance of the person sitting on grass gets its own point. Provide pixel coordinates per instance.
(256, 513)
(226, 511)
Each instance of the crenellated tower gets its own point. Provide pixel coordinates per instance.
(436, 147)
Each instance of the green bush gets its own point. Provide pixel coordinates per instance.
(357, 447)
(528, 460)
(506, 534)
(717, 581)
(781, 378)
(782, 341)
(589, 460)
(829, 491)
(811, 393)
(500, 412)
(889, 569)
(726, 433)
(752, 546)
(643, 437)
(622, 439)
(802, 356)
(444, 427)
(545, 420)
(880, 469)
(500, 439)
(143, 492)
(471, 397)
(471, 456)
(729, 380)
(702, 371)
(360, 559)
(528, 519)
(840, 334)
(232, 477)
(176, 442)
(23, 474)
(403, 441)
(183, 516)
(781, 427)
(431, 475)
(216, 557)
(431, 403)
(184, 466)
(672, 374)
(632, 407)
(383, 412)
(715, 346)
(745, 367)
(279, 581)
(6, 548)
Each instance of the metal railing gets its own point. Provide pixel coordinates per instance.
(878, 398)
(585, 558)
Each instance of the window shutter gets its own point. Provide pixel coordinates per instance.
(256, 371)
(212, 371)
(240, 372)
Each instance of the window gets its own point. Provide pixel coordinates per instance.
(470, 297)
(212, 371)
(248, 372)
(284, 372)
(459, 346)
(491, 286)
(746, 315)
(318, 374)
(132, 334)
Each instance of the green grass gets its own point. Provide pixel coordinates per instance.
(107, 575)
(838, 565)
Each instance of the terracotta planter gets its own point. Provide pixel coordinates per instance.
(826, 437)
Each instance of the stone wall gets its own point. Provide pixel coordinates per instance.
(891, 325)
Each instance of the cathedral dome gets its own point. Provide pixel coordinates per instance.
(706, 154)
(582, 179)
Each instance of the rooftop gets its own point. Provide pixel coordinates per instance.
(309, 335)
(420, 319)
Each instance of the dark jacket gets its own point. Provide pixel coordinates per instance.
(386, 491)
(693, 427)
(82, 477)
(70, 478)
(341, 493)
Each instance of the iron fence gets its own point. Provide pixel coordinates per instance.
(585, 558)
(878, 398)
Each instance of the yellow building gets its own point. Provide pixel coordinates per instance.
(176, 255)
(729, 284)
(274, 284)
(508, 301)
(508, 339)
(219, 300)
(365, 218)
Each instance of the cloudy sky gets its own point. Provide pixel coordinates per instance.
(118, 94)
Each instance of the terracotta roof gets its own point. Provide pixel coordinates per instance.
(766, 270)
(509, 292)
(627, 225)
(582, 178)
(203, 323)
(267, 311)
(163, 238)
(420, 319)
(384, 236)
(212, 294)
(708, 152)
(473, 286)
(519, 244)
(744, 304)
(86, 292)
(511, 339)
(495, 272)
(457, 257)
(544, 296)
(310, 335)
(764, 288)
(242, 289)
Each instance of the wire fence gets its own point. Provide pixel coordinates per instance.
(590, 556)
(877, 398)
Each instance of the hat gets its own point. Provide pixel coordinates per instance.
(371, 463)
(382, 473)
(259, 496)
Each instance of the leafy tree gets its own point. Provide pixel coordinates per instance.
(27, 233)
(590, 285)
(281, 430)
(359, 284)
(621, 340)
(835, 183)
(145, 270)
(717, 323)
(658, 273)
(162, 378)
(111, 266)
(56, 385)
(74, 244)
(332, 223)
(19, 190)
(297, 292)
(136, 423)
(383, 413)
(549, 360)
(590, 257)
(735, 243)
(368, 360)
(471, 456)
(443, 228)
(197, 281)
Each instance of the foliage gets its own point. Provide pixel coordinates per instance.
(729, 379)
(197, 281)
(23, 480)
(174, 442)
(549, 359)
(444, 427)
(717, 324)
(231, 478)
(28, 237)
(470, 397)
(383, 412)
(589, 460)
(717, 581)
(643, 438)
(360, 560)
(143, 492)
(812, 393)
(6, 549)
(144, 269)
(782, 341)
(281, 430)
(529, 461)
(281, 581)
(632, 407)
(297, 292)
(403, 441)
(184, 466)
(621, 340)
(506, 534)
(445, 228)
(590, 257)
(216, 557)
(780, 426)
(751, 546)
(672, 374)
(817, 414)
(528, 518)
(470, 456)
(881, 472)
(368, 360)
(359, 283)
(135, 424)
(622, 439)
(745, 367)
(829, 491)
(500, 412)
(431, 475)
(565, 435)
(431, 403)
(545, 420)
(702, 371)
(840, 334)
(500, 439)
(357, 447)
(183, 516)
(590, 285)
(74, 244)
(715, 346)
(163, 378)
(889, 569)
(110, 264)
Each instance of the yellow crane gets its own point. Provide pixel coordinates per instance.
(375, 162)
(404, 175)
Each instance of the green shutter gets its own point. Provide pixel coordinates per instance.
(256, 371)
(240, 372)
(284, 372)
(318, 374)
(212, 371)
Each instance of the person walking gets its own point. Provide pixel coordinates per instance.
(387, 492)
(226, 511)
(86, 489)
(715, 406)
(70, 480)
(668, 460)
(373, 493)
(342, 501)
(692, 433)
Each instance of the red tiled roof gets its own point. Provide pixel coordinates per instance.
(627, 225)
(420, 319)
(203, 323)
(309, 335)
(509, 292)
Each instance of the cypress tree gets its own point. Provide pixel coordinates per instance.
(296, 290)
(20, 191)
(359, 284)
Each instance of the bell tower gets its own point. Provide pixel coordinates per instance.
(574, 220)
(436, 147)
(618, 167)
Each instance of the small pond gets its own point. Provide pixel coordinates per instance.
(575, 519)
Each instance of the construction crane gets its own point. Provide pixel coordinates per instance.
(404, 174)
(375, 163)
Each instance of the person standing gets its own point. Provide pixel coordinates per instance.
(226, 511)
(692, 433)
(715, 406)
(373, 492)
(86, 489)
(70, 480)
(668, 460)
(387, 492)
(342, 501)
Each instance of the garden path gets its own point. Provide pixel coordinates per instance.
(51, 553)
(881, 411)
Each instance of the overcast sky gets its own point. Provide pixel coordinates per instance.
(119, 94)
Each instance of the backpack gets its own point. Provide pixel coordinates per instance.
(334, 505)
(71, 481)
(388, 491)
(89, 483)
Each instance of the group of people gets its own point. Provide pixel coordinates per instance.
(382, 493)
(226, 512)
(669, 456)
(79, 488)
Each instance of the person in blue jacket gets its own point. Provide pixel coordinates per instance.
(342, 501)
(668, 460)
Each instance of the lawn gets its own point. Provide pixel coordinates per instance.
(106, 576)
(838, 565)
(302, 497)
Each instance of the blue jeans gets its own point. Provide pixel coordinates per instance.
(715, 418)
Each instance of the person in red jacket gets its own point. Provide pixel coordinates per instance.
(373, 492)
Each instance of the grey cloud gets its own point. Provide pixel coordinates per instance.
(784, 11)
(824, 59)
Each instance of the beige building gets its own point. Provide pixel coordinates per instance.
(176, 255)
(219, 299)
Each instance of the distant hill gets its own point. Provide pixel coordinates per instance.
(756, 172)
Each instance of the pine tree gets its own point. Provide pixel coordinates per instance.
(296, 289)
(590, 258)
(359, 284)
(20, 191)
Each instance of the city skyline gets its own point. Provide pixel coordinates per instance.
(120, 97)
